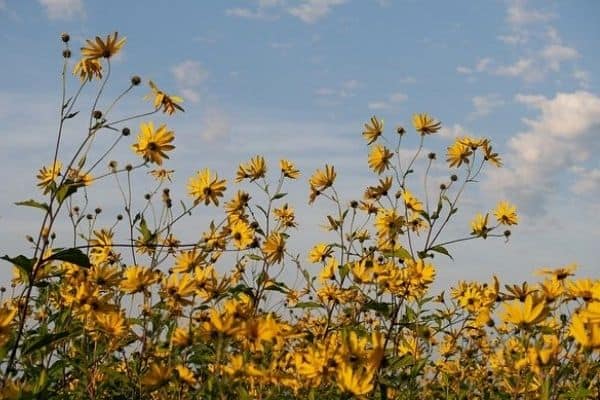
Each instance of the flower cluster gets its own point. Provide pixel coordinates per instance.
(132, 310)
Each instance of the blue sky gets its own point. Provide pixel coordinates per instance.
(298, 79)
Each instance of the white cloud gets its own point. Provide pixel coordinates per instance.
(518, 14)
(310, 11)
(189, 75)
(247, 13)
(514, 38)
(63, 9)
(555, 54)
(215, 125)
(524, 68)
(481, 66)
(453, 131)
(392, 102)
(329, 96)
(564, 135)
(485, 104)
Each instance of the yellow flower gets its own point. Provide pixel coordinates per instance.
(185, 374)
(559, 273)
(586, 333)
(479, 225)
(258, 330)
(242, 234)
(204, 187)
(138, 279)
(168, 103)
(274, 248)
(156, 376)
(87, 69)
(489, 155)
(101, 247)
(288, 169)
(47, 175)
(458, 153)
(285, 216)
(78, 178)
(411, 202)
(153, 144)
(321, 180)
(187, 261)
(254, 169)
(103, 48)
(373, 130)
(112, 324)
(176, 289)
(181, 337)
(7, 315)
(379, 158)
(162, 174)
(506, 213)
(425, 124)
(388, 223)
(356, 381)
(320, 252)
(530, 312)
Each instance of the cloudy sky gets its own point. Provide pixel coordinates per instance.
(298, 78)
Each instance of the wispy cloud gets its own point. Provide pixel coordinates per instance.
(189, 75)
(392, 101)
(481, 66)
(329, 96)
(454, 131)
(310, 11)
(484, 105)
(63, 9)
(518, 13)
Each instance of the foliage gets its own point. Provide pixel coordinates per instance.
(130, 311)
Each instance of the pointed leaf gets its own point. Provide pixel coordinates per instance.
(442, 250)
(33, 203)
(74, 256)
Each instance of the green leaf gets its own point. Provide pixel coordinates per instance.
(74, 256)
(425, 215)
(33, 203)
(400, 253)
(81, 162)
(46, 340)
(73, 114)
(344, 270)
(278, 196)
(147, 235)
(308, 304)
(383, 308)
(254, 257)
(67, 189)
(442, 250)
(22, 263)
(262, 210)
